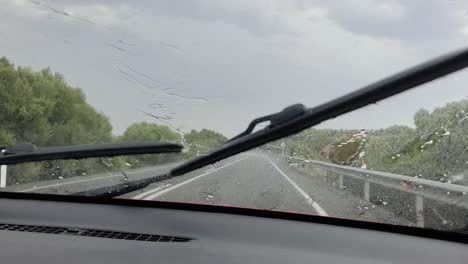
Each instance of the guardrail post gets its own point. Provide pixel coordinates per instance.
(340, 182)
(3, 174)
(419, 211)
(366, 191)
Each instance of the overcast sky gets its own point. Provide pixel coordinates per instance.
(218, 64)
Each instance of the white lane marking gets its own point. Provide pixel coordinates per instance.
(86, 180)
(143, 194)
(155, 193)
(309, 200)
(190, 180)
(67, 183)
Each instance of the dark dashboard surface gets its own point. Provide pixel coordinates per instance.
(217, 238)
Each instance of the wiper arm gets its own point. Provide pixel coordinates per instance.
(28, 152)
(297, 118)
(288, 113)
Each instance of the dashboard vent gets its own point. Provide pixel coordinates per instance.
(92, 233)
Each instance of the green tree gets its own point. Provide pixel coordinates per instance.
(437, 150)
(386, 147)
(203, 140)
(39, 107)
(422, 120)
(150, 132)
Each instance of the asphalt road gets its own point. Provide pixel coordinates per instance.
(257, 180)
(253, 179)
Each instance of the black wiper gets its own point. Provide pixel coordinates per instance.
(297, 118)
(28, 152)
(115, 190)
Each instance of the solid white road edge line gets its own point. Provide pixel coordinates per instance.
(143, 194)
(159, 193)
(68, 183)
(86, 180)
(152, 195)
(309, 200)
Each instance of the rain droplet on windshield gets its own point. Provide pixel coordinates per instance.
(124, 176)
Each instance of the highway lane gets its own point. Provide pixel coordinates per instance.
(252, 179)
(256, 180)
(249, 180)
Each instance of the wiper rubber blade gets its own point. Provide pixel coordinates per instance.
(370, 94)
(28, 152)
(123, 188)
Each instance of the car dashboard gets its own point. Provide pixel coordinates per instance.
(123, 231)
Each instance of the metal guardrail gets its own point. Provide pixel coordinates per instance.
(424, 200)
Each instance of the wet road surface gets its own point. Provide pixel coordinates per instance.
(261, 181)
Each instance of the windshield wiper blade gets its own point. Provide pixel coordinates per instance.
(119, 189)
(28, 152)
(296, 118)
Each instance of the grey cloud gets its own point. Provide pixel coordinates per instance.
(225, 55)
(423, 20)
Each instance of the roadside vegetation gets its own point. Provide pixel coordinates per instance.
(39, 107)
(435, 148)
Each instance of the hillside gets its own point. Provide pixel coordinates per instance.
(436, 149)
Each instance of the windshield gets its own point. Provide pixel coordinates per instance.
(96, 72)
